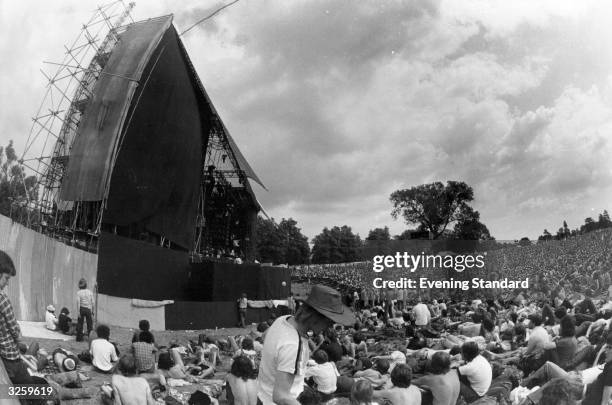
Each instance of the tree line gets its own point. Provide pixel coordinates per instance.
(590, 225)
(435, 211)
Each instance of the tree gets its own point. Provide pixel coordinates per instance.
(524, 241)
(589, 225)
(281, 244)
(270, 244)
(469, 227)
(297, 250)
(336, 245)
(545, 236)
(16, 188)
(379, 234)
(432, 206)
(604, 220)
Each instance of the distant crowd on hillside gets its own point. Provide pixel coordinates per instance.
(579, 264)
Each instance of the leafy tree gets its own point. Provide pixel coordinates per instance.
(604, 220)
(282, 243)
(560, 234)
(469, 227)
(297, 250)
(270, 244)
(545, 236)
(16, 188)
(589, 225)
(432, 206)
(336, 245)
(379, 234)
(524, 241)
(418, 233)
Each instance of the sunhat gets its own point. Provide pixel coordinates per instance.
(327, 301)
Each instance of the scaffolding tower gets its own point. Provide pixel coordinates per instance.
(54, 127)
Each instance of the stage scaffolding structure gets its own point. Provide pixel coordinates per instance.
(226, 206)
(68, 91)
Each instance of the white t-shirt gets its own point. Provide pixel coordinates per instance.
(284, 350)
(538, 340)
(103, 353)
(421, 314)
(324, 375)
(479, 374)
(50, 321)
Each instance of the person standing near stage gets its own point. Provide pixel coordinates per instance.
(85, 307)
(242, 309)
(9, 329)
(285, 351)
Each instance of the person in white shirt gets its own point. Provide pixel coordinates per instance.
(50, 318)
(285, 352)
(421, 314)
(475, 375)
(324, 374)
(102, 351)
(539, 339)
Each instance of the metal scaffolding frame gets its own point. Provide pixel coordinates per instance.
(55, 124)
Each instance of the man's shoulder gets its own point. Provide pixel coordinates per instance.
(281, 333)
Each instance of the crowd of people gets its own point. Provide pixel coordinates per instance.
(584, 261)
(549, 344)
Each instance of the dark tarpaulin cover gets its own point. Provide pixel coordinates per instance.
(231, 280)
(129, 268)
(207, 315)
(259, 283)
(271, 283)
(97, 138)
(156, 178)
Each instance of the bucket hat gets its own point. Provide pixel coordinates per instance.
(327, 301)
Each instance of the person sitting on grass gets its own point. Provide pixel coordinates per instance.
(442, 381)
(324, 374)
(241, 384)
(64, 322)
(402, 392)
(103, 353)
(143, 326)
(170, 365)
(128, 387)
(362, 393)
(145, 352)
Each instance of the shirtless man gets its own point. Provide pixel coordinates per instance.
(402, 393)
(128, 388)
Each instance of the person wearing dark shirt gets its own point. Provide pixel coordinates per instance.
(331, 345)
(567, 345)
(64, 322)
(143, 326)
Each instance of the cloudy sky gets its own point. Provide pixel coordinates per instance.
(336, 104)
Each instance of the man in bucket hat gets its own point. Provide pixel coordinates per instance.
(285, 351)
